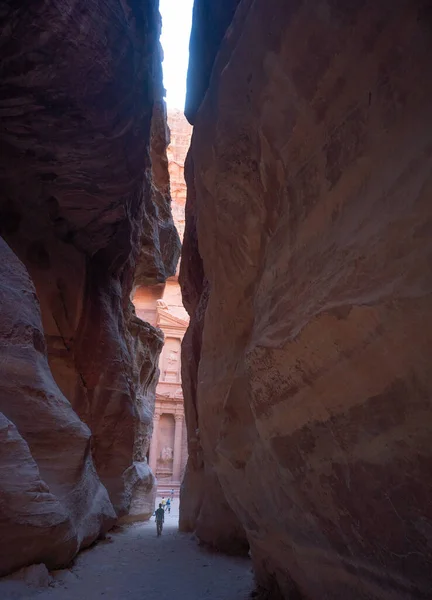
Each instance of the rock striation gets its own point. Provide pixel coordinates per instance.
(204, 508)
(51, 499)
(85, 206)
(306, 273)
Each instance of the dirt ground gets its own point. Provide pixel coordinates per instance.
(134, 564)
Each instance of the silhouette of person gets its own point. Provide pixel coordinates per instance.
(160, 518)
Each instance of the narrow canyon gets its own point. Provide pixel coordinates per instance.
(85, 218)
(305, 271)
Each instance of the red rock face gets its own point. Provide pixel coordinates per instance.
(180, 134)
(85, 205)
(52, 501)
(311, 216)
(204, 508)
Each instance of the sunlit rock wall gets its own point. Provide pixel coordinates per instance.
(180, 135)
(85, 205)
(306, 272)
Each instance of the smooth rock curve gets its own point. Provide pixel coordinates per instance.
(52, 502)
(312, 219)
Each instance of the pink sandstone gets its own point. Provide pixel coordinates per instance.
(161, 305)
(306, 273)
(85, 206)
(52, 501)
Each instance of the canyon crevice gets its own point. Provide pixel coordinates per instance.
(306, 273)
(85, 209)
(305, 270)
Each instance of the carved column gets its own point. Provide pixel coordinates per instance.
(153, 444)
(178, 435)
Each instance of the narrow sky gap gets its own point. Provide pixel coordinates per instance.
(176, 26)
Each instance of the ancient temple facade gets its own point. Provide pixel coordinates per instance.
(161, 306)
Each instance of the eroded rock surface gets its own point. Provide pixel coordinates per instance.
(210, 21)
(52, 502)
(180, 135)
(84, 204)
(204, 508)
(306, 370)
(145, 345)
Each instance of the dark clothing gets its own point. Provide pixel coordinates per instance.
(160, 515)
(160, 518)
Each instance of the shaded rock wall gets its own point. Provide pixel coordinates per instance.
(306, 272)
(51, 500)
(160, 243)
(145, 345)
(210, 21)
(85, 205)
(204, 508)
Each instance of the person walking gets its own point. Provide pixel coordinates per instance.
(168, 505)
(160, 518)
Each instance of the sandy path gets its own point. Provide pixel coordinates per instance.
(136, 565)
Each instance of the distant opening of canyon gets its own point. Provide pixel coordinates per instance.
(176, 26)
(216, 296)
(161, 305)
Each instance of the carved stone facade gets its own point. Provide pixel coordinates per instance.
(161, 306)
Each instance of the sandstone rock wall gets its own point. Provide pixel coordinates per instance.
(306, 272)
(204, 508)
(85, 205)
(180, 134)
(51, 500)
(210, 21)
(161, 305)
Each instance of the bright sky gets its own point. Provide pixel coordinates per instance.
(176, 25)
